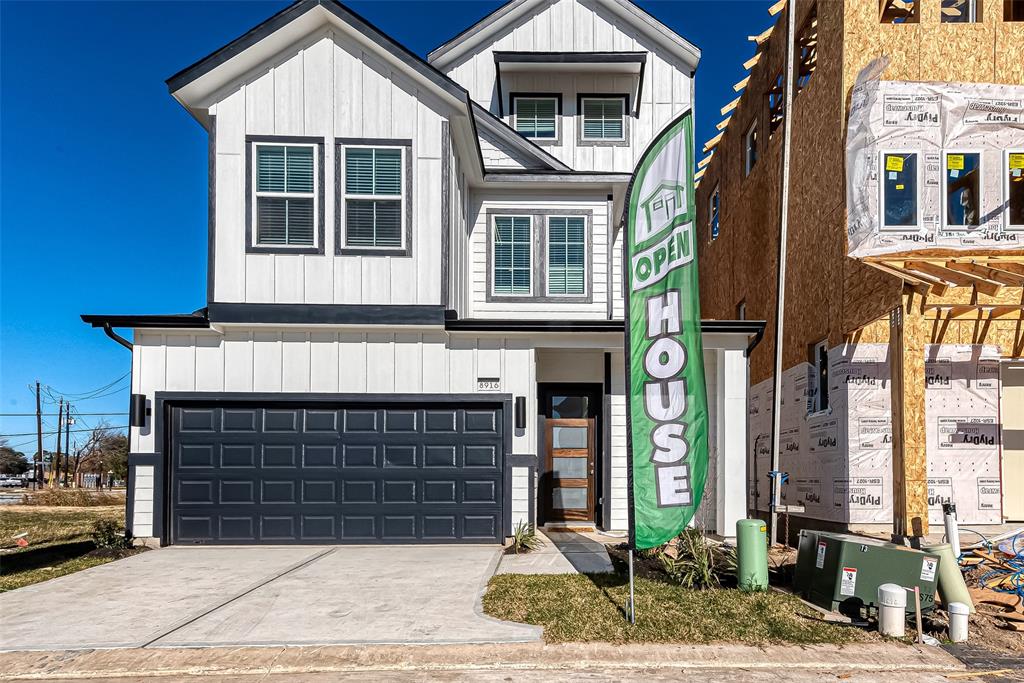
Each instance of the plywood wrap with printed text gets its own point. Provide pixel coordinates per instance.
(947, 155)
(839, 461)
(962, 425)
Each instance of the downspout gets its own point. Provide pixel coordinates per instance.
(754, 342)
(109, 331)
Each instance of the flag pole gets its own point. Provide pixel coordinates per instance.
(632, 597)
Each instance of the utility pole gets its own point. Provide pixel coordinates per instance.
(37, 471)
(55, 460)
(67, 446)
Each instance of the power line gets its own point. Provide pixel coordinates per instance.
(7, 436)
(89, 394)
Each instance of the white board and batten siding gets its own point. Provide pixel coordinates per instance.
(328, 87)
(572, 26)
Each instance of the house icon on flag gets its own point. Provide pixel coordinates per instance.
(663, 205)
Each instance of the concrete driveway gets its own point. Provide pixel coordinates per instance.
(246, 596)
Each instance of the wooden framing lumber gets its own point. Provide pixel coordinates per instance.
(723, 124)
(741, 84)
(705, 161)
(777, 7)
(1002, 277)
(729, 107)
(763, 36)
(957, 277)
(713, 142)
(749, 64)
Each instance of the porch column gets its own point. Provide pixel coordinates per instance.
(732, 442)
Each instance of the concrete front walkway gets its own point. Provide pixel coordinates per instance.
(563, 552)
(246, 596)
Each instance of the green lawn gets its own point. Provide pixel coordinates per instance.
(59, 542)
(575, 607)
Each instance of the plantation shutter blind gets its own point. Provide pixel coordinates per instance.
(566, 255)
(535, 117)
(512, 255)
(284, 195)
(602, 118)
(373, 204)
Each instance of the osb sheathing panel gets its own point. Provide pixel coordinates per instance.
(1009, 296)
(958, 52)
(1007, 335)
(1009, 53)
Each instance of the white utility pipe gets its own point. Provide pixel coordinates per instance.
(959, 613)
(952, 528)
(892, 610)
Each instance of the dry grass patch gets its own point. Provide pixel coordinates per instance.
(52, 524)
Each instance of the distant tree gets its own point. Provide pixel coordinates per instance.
(12, 461)
(104, 451)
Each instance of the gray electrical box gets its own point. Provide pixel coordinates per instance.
(842, 572)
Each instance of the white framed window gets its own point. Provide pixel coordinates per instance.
(536, 116)
(1013, 189)
(567, 257)
(603, 118)
(285, 188)
(375, 197)
(819, 385)
(512, 255)
(900, 184)
(714, 206)
(750, 148)
(961, 204)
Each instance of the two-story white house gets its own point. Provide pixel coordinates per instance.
(414, 324)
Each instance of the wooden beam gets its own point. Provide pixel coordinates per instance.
(723, 124)
(699, 174)
(917, 282)
(939, 286)
(729, 107)
(713, 142)
(749, 64)
(763, 36)
(705, 161)
(777, 7)
(985, 272)
(957, 277)
(1006, 312)
(741, 84)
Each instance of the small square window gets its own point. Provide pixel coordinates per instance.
(962, 189)
(285, 182)
(961, 11)
(900, 203)
(603, 118)
(536, 117)
(750, 149)
(1015, 190)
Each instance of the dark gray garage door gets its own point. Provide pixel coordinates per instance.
(384, 473)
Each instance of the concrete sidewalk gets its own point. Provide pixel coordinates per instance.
(563, 552)
(532, 661)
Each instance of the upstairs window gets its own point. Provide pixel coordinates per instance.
(1015, 189)
(567, 242)
(512, 242)
(603, 118)
(1013, 10)
(374, 197)
(963, 189)
(807, 49)
(776, 104)
(536, 117)
(750, 149)
(961, 11)
(819, 386)
(900, 204)
(713, 211)
(899, 11)
(285, 195)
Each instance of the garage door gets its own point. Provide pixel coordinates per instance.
(372, 473)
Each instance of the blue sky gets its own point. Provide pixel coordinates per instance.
(103, 175)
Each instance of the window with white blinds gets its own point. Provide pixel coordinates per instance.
(285, 195)
(374, 195)
(537, 117)
(567, 241)
(603, 118)
(512, 257)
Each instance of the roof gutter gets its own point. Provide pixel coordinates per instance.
(758, 336)
(109, 331)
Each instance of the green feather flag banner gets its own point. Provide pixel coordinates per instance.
(667, 410)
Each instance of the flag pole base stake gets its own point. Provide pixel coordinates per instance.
(632, 597)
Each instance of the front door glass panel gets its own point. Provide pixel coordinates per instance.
(569, 406)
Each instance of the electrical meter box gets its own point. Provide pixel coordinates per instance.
(842, 572)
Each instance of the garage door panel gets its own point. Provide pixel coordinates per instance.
(349, 474)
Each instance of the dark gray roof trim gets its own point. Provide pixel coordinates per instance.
(570, 57)
(532, 176)
(189, 320)
(327, 314)
(509, 136)
(483, 23)
(743, 327)
(292, 12)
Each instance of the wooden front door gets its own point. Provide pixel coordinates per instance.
(570, 464)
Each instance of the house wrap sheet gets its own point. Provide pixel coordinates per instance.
(839, 461)
(927, 118)
(962, 414)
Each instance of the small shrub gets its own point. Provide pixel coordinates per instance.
(109, 533)
(58, 497)
(525, 538)
(694, 563)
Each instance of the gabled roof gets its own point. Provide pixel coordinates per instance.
(512, 11)
(298, 19)
(486, 121)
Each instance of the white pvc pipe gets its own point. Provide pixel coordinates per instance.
(952, 528)
(959, 614)
(892, 610)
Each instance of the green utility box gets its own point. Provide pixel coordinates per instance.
(842, 572)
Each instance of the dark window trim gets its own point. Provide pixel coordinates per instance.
(339, 197)
(597, 142)
(538, 255)
(748, 166)
(250, 246)
(557, 96)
